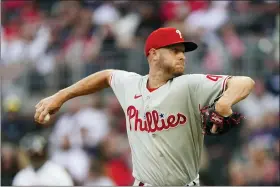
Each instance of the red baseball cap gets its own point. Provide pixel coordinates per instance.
(166, 36)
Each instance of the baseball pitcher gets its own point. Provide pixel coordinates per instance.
(167, 113)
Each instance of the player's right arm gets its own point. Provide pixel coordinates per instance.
(91, 84)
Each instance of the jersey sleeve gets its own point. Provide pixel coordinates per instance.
(209, 88)
(119, 82)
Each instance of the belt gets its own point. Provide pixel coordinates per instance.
(195, 182)
(141, 184)
(192, 184)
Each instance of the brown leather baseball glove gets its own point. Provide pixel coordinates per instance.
(210, 117)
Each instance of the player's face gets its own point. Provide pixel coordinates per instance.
(172, 59)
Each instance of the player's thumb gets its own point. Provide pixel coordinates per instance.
(214, 129)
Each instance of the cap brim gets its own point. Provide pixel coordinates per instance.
(190, 46)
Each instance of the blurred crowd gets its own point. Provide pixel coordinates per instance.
(48, 45)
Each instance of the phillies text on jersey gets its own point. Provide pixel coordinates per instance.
(153, 121)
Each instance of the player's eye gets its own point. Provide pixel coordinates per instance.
(176, 50)
(173, 49)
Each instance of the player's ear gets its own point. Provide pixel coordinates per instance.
(154, 53)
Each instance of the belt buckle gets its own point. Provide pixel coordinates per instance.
(141, 184)
(191, 184)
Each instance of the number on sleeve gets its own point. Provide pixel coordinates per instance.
(213, 77)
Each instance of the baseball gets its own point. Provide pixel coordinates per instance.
(47, 118)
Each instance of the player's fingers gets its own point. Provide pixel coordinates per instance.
(38, 113)
(43, 115)
(39, 104)
(214, 128)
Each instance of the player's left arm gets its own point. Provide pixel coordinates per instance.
(217, 94)
(237, 89)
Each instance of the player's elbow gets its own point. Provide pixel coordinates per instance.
(243, 81)
(250, 82)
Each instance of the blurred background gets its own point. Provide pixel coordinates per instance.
(48, 45)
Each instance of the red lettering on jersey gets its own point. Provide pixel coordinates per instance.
(213, 77)
(147, 127)
(144, 126)
(138, 121)
(155, 119)
(164, 125)
(152, 123)
(149, 121)
(182, 117)
(159, 126)
(131, 111)
(171, 121)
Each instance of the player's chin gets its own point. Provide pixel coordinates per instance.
(178, 71)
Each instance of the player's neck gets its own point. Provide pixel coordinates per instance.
(157, 79)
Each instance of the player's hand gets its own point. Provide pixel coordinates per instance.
(224, 110)
(49, 105)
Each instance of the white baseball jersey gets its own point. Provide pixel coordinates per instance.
(50, 174)
(164, 126)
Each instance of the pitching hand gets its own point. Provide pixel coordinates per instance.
(49, 105)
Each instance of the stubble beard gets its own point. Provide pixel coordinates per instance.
(171, 70)
(178, 72)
